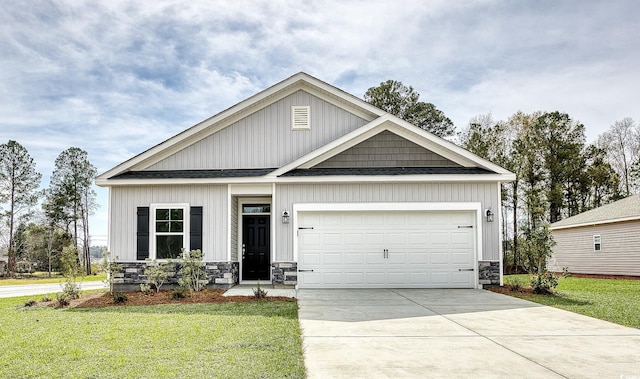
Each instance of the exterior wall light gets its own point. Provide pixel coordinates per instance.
(285, 217)
(489, 215)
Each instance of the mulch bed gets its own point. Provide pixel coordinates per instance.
(95, 300)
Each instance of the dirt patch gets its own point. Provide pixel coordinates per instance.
(99, 299)
(507, 290)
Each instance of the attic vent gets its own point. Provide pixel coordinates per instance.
(300, 119)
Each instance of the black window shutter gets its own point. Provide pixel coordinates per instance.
(195, 228)
(142, 236)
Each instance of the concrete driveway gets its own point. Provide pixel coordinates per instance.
(406, 333)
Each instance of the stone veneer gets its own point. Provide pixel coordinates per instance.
(221, 275)
(284, 273)
(489, 273)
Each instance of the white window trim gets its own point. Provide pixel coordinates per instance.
(185, 226)
(297, 125)
(599, 243)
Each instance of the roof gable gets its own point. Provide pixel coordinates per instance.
(626, 209)
(299, 81)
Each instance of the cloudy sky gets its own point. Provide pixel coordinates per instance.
(117, 77)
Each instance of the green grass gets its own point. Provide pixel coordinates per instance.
(230, 340)
(41, 278)
(612, 300)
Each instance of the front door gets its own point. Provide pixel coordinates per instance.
(256, 255)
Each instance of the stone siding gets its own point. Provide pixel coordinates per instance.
(489, 273)
(221, 275)
(284, 273)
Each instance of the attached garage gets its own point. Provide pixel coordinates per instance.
(387, 248)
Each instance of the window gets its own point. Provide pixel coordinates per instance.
(169, 231)
(597, 245)
(300, 119)
(256, 208)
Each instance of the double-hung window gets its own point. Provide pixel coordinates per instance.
(170, 230)
(597, 243)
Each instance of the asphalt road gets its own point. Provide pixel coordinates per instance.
(41, 289)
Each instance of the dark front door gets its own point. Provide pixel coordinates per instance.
(256, 257)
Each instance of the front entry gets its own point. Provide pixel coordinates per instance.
(256, 254)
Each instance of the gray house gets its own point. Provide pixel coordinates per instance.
(303, 184)
(603, 241)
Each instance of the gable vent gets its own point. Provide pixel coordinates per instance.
(300, 118)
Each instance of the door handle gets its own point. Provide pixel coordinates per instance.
(305, 270)
(385, 253)
(466, 269)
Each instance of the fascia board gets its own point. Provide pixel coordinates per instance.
(594, 223)
(254, 103)
(313, 179)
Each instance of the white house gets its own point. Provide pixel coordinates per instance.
(303, 184)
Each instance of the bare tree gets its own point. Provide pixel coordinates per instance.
(622, 144)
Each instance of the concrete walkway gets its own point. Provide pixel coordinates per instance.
(41, 289)
(455, 334)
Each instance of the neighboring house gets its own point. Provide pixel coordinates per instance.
(304, 184)
(604, 240)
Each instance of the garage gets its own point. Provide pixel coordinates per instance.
(387, 249)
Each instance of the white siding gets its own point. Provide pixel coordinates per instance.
(125, 200)
(265, 139)
(620, 254)
(485, 193)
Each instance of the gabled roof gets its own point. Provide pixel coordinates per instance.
(132, 171)
(254, 103)
(627, 209)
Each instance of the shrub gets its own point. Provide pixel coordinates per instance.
(30, 303)
(178, 293)
(543, 283)
(119, 297)
(113, 267)
(45, 299)
(71, 270)
(192, 272)
(63, 300)
(259, 293)
(158, 273)
(145, 288)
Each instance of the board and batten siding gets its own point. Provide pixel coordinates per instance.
(125, 200)
(619, 254)
(289, 194)
(386, 149)
(265, 138)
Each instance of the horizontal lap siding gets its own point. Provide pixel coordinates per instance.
(264, 139)
(125, 200)
(620, 254)
(289, 194)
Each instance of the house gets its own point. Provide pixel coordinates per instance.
(602, 241)
(304, 184)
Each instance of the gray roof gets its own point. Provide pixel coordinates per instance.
(387, 171)
(194, 174)
(625, 209)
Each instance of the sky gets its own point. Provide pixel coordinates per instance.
(118, 77)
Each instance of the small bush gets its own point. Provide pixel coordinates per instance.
(30, 303)
(158, 273)
(63, 300)
(193, 276)
(145, 288)
(544, 283)
(179, 293)
(45, 299)
(119, 297)
(259, 293)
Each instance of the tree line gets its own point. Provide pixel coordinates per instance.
(37, 236)
(558, 174)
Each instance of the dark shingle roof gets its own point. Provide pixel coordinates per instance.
(194, 174)
(388, 171)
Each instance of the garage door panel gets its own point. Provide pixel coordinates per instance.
(423, 249)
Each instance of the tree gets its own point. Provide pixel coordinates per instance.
(394, 97)
(622, 144)
(19, 183)
(70, 199)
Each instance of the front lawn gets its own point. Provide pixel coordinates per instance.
(614, 300)
(228, 340)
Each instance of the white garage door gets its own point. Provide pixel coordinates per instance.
(386, 249)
